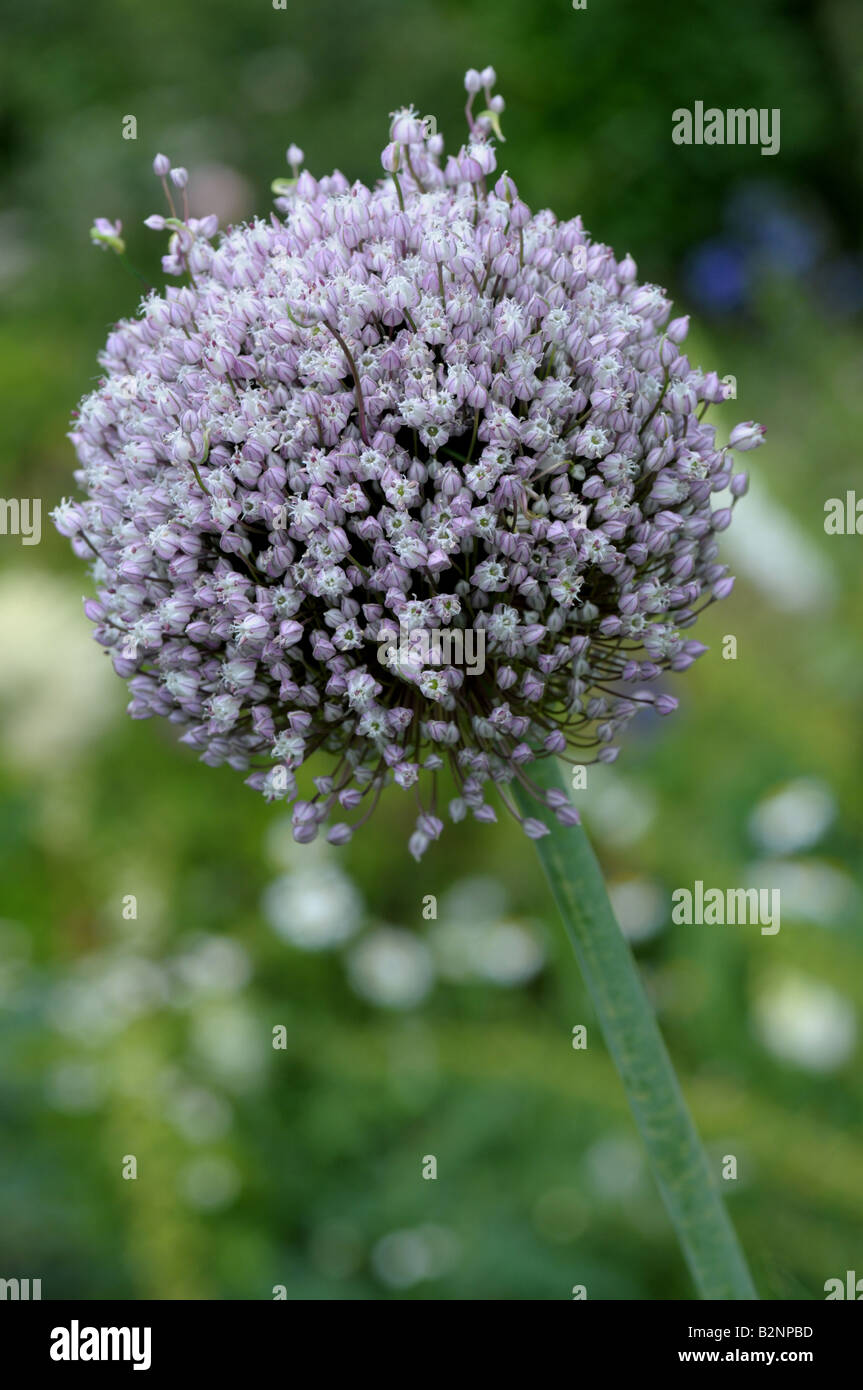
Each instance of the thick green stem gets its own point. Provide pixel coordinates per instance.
(632, 1036)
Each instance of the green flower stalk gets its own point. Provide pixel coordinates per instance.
(632, 1036)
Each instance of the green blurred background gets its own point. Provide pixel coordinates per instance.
(152, 1036)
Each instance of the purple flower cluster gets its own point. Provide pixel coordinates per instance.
(415, 406)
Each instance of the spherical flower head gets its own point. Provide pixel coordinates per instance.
(408, 477)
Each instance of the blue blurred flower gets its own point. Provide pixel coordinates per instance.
(716, 277)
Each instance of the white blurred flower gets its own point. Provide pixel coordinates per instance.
(232, 1043)
(619, 811)
(103, 995)
(212, 965)
(48, 718)
(794, 817)
(404, 1258)
(463, 944)
(806, 1022)
(508, 954)
(615, 1167)
(640, 906)
(774, 552)
(75, 1088)
(392, 968)
(810, 890)
(210, 1182)
(476, 898)
(453, 946)
(474, 939)
(200, 1115)
(314, 907)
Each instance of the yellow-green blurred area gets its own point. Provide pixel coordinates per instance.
(158, 924)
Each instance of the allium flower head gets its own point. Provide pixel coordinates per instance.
(418, 407)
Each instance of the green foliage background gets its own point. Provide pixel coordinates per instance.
(307, 1158)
